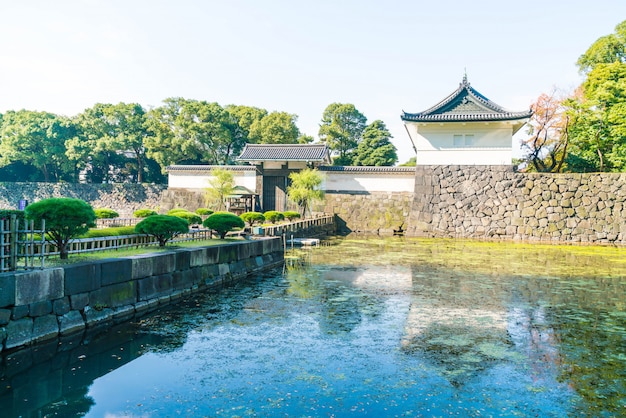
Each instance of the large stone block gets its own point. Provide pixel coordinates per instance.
(71, 322)
(153, 265)
(183, 279)
(40, 308)
(227, 253)
(183, 261)
(116, 271)
(19, 333)
(82, 277)
(7, 290)
(45, 328)
(154, 286)
(39, 285)
(97, 317)
(115, 295)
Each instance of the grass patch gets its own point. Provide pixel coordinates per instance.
(109, 232)
(127, 252)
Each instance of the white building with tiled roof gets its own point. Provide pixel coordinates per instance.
(465, 128)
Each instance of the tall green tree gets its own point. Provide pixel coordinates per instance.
(65, 219)
(245, 117)
(341, 128)
(221, 184)
(606, 50)
(109, 145)
(598, 121)
(37, 139)
(306, 186)
(376, 149)
(275, 128)
(192, 132)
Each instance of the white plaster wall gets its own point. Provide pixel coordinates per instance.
(491, 143)
(246, 179)
(373, 182)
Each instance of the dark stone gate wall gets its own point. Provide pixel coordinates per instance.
(495, 202)
(122, 197)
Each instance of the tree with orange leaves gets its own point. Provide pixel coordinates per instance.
(549, 137)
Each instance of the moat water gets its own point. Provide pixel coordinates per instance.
(376, 327)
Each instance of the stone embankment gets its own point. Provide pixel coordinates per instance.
(494, 202)
(124, 198)
(41, 305)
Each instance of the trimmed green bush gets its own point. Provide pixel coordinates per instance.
(273, 216)
(204, 211)
(173, 211)
(290, 215)
(252, 217)
(223, 222)
(105, 213)
(66, 219)
(162, 227)
(109, 232)
(143, 213)
(190, 217)
(6, 213)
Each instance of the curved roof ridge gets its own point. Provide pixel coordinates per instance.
(445, 109)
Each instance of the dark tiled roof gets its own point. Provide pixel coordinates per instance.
(466, 104)
(206, 168)
(285, 152)
(366, 169)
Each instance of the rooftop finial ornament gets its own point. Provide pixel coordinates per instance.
(465, 82)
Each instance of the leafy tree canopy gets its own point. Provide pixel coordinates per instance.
(221, 184)
(223, 222)
(305, 188)
(37, 139)
(65, 218)
(162, 227)
(376, 149)
(341, 128)
(606, 50)
(275, 128)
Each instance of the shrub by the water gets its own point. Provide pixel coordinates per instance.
(204, 211)
(190, 217)
(223, 222)
(109, 232)
(143, 213)
(290, 215)
(6, 213)
(66, 219)
(252, 217)
(162, 227)
(273, 216)
(106, 213)
(173, 211)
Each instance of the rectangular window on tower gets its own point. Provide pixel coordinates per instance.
(462, 140)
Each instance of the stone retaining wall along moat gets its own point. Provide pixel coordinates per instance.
(42, 305)
(495, 202)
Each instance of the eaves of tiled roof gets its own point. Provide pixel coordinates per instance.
(366, 169)
(465, 104)
(285, 152)
(208, 168)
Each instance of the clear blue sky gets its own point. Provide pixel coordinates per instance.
(64, 56)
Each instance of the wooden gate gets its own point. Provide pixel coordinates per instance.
(274, 193)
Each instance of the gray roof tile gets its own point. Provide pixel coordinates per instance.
(465, 104)
(285, 152)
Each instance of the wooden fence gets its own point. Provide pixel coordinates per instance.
(21, 245)
(303, 224)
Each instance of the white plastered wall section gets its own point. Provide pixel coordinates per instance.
(475, 143)
(201, 180)
(369, 182)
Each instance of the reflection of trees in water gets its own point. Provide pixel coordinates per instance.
(343, 304)
(592, 350)
(460, 352)
(54, 378)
